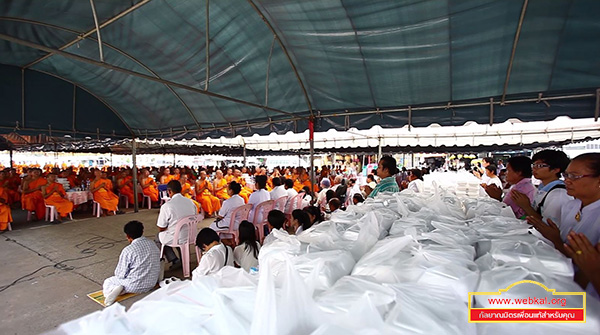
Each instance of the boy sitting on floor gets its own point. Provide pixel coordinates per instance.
(138, 268)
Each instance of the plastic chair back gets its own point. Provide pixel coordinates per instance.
(189, 224)
(280, 203)
(238, 215)
(261, 212)
(294, 203)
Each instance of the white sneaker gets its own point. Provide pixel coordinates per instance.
(110, 298)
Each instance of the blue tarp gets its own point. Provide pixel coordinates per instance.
(350, 57)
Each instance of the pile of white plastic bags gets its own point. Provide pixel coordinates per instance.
(402, 263)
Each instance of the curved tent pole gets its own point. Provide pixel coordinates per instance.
(287, 55)
(137, 61)
(514, 50)
(137, 74)
(97, 30)
(89, 32)
(92, 94)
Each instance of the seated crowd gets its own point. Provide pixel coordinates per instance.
(563, 210)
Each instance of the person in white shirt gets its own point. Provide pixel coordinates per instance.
(224, 217)
(215, 255)
(492, 178)
(300, 221)
(416, 181)
(259, 196)
(278, 189)
(325, 186)
(275, 220)
(290, 192)
(170, 212)
(245, 255)
(138, 268)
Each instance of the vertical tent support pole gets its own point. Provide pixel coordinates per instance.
(379, 150)
(135, 177)
(207, 46)
(10, 156)
(311, 139)
(597, 111)
(491, 111)
(244, 153)
(23, 98)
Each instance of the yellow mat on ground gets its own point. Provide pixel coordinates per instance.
(98, 297)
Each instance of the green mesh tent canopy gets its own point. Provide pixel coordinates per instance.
(198, 68)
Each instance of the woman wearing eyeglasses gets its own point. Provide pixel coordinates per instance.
(582, 214)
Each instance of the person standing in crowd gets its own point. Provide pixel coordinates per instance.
(101, 188)
(548, 166)
(55, 195)
(386, 170)
(518, 174)
(245, 255)
(215, 255)
(170, 212)
(138, 268)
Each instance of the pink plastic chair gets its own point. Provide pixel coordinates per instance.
(238, 215)
(280, 203)
(262, 211)
(190, 223)
(123, 196)
(294, 203)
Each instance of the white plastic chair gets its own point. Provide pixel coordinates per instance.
(126, 199)
(97, 210)
(238, 215)
(262, 211)
(145, 197)
(52, 214)
(190, 223)
(163, 196)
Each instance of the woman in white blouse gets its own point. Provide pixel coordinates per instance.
(245, 255)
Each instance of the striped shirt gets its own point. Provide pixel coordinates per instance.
(387, 184)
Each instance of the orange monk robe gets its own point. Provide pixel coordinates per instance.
(166, 180)
(13, 190)
(186, 191)
(34, 201)
(104, 196)
(245, 192)
(209, 202)
(126, 189)
(229, 178)
(63, 206)
(269, 184)
(150, 190)
(222, 194)
(73, 182)
(5, 213)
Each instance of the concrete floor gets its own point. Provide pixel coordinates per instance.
(47, 269)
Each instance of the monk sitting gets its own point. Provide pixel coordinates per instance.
(5, 213)
(245, 192)
(32, 199)
(101, 188)
(187, 191)
(149, 186)
(210, 203)
(125, 184)
(220, 186)
(166, 177)
(55, 195)
(14, 181)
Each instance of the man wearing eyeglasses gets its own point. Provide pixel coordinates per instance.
(551, 194)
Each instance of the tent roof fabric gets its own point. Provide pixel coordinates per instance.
(270, 65)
